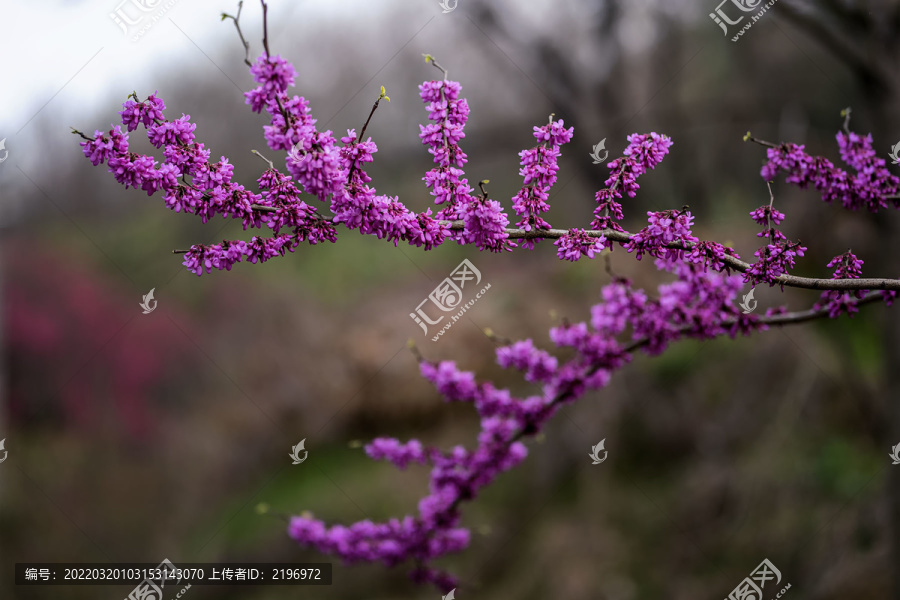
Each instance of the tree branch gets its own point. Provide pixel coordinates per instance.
(735, 263)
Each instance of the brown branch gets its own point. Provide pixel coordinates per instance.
(733, 262)
(240, 34)
(265, 27)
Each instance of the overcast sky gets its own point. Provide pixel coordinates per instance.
(70, 57)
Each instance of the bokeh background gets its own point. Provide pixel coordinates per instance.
(138, 437)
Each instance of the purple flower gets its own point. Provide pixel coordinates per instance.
(485, 225)
(317, 171)
(538, 365)
(147, 112)
(846, 266)
(275, 75)
(395, 452)
(666, 227)
(131, 169)
(539, 168)
(179, 131)
(773, 261)
(101, 147)
(453, 384)
(710, 255)
(446, 181)
(577, 243)
(868, 188)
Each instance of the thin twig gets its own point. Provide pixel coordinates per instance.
(846, 114)
(76, 132)
(430, 58)
(265, 27)
(750, 138)
(240, 34)
(481, 185)
(271, 164)
(733, 262)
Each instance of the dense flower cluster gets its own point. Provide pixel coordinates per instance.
(576, 243)
(869, 188)
(777, 257)
(313, 158)
(642, 154)
(539, 168)
(485, 225)
(665, 227)
(711, 255)
(447, 180)
(846, 266)
(358, 207)
(211, 190)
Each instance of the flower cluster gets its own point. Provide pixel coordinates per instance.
(211, 190)
(869, 188)
(666, 227)
(313, 158)
(846, 266)
(711, 255)
(642, 154)
(777, 257)
(539, 168)
(449, 114)
(577, 243)
(358, 207)
(485, 225)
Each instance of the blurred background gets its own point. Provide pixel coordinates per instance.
(137, 437)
